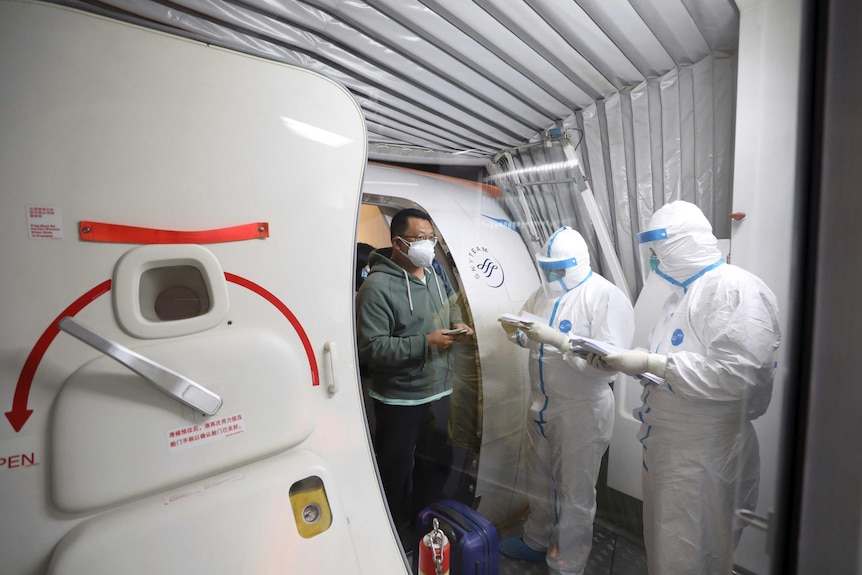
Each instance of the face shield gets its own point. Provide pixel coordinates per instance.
(647, 243)
(554, 273)
(564, 262)
(682, 237)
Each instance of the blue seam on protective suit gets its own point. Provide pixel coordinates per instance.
(649, 427)
(563, 283)
(641, 410)
(554, 237)
(589, 275)
(541, 421)
(642, 439)
(684, 285)
(566, 288)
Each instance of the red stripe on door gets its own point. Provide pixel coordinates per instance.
(115, 233)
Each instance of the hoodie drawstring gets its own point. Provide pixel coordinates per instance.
(437, 283)
(409, 295)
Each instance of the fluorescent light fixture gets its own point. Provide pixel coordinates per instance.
(566, 164)
(319, 135)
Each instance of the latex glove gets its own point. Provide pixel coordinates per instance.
(509, 328)
(595, 360)
(542, 333)
(635, 361)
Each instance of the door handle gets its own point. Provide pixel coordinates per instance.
(165, 380)
(329, 353)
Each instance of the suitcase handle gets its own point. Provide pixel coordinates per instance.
(452, 519)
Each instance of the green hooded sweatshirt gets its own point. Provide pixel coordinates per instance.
(395, 312)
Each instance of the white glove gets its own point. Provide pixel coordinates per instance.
(509, 328)
(595, 360)
(542, 333)
(635, 361)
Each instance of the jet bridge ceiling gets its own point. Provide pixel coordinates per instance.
(456, 81)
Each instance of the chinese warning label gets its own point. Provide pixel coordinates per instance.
(44, 223)
(206, 432)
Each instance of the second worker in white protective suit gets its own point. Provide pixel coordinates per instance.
(715, 344)
(571, 414)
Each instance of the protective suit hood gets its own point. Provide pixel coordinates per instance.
(564, 250)
(687, 245)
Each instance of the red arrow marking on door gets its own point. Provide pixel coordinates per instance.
(20, 414)
(259, 290)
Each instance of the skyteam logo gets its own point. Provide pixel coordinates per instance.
(485, 266)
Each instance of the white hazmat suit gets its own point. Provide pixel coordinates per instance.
(715, 345)
(572, 405)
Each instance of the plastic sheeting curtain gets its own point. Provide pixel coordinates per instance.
(668, 138)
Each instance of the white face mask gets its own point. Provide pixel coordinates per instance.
(420, 253)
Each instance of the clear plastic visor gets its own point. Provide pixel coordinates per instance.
(646, 244)
(553, 274)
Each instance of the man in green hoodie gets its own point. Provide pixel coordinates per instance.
(404, 310)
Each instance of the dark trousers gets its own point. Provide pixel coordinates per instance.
(411, 448)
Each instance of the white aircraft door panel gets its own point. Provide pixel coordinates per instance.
(239, 521)
(110, 418)
(115, 138)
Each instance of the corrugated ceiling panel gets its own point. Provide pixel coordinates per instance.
(459, 77)
(578, 29)
(535, 32)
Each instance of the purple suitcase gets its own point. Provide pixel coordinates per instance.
(472, 538)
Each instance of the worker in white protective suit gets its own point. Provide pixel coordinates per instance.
(571, 414)
(715, 346)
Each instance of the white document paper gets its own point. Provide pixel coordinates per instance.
(524, 320)
(583, 345)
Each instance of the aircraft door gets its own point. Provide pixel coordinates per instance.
(174, 396)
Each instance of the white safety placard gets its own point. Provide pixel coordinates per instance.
(44, 223)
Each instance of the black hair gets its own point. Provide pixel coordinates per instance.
(363, 251)
(400, 223)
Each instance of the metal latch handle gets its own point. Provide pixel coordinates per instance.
(165, 380)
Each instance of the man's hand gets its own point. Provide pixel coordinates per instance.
(631, 362)
(462, 336)
(440, 341)
(542, 333)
